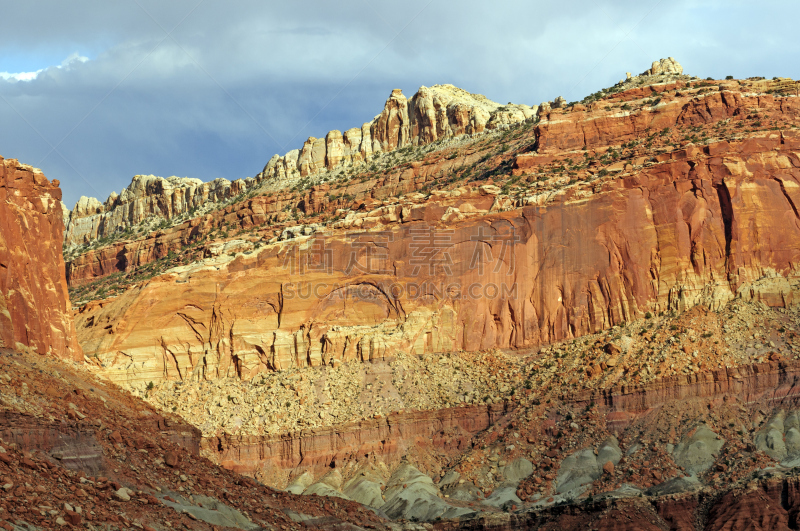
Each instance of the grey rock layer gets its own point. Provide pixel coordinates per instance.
(584, 466)
(697, 451)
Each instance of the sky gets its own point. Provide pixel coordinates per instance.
(94, 92)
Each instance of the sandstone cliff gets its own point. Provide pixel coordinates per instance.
(147, 198)
(663, 231)
(679, 233)
(432, 114)
(35, 311)
(664, 67)
(601, 306)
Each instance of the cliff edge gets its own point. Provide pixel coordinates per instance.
(34, 306)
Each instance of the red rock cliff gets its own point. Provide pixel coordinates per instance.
(34, 307)
(697, 229)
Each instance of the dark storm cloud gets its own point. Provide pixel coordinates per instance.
(235, 82)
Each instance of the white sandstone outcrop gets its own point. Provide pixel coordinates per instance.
(432, 114)
(146, 197)
(664, 66)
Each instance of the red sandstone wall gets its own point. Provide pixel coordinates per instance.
(34, 306)
(448, 431)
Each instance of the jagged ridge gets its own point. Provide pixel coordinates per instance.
(432, 114)
(435, 113)
(147, 197)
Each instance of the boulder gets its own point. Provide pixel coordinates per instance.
(664, 66)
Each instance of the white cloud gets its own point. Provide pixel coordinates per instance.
(71, 59)
(20, 76)
(66, 64)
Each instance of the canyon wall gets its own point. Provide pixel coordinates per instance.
(271, 459)
(455, 431)
(702, 227)
(35, 311)
(578, 128)
(264, 213)
(593, 127)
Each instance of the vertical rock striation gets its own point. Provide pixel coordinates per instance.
(701, 228)
(34, 308)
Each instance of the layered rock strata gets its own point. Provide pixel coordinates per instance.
(578, 127)
(625, 230)
(76, 451)
(34, 306)
(697, 228)
(272, 459)
(453, 432)
(584, 128)
(263, 213)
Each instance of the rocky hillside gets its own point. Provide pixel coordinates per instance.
(588, 313)
(34, 305)
(76, 451)
(432, 115)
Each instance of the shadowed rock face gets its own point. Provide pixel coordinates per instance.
(34, 307)
(74, 447)
(765, 505)
(91, 452)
